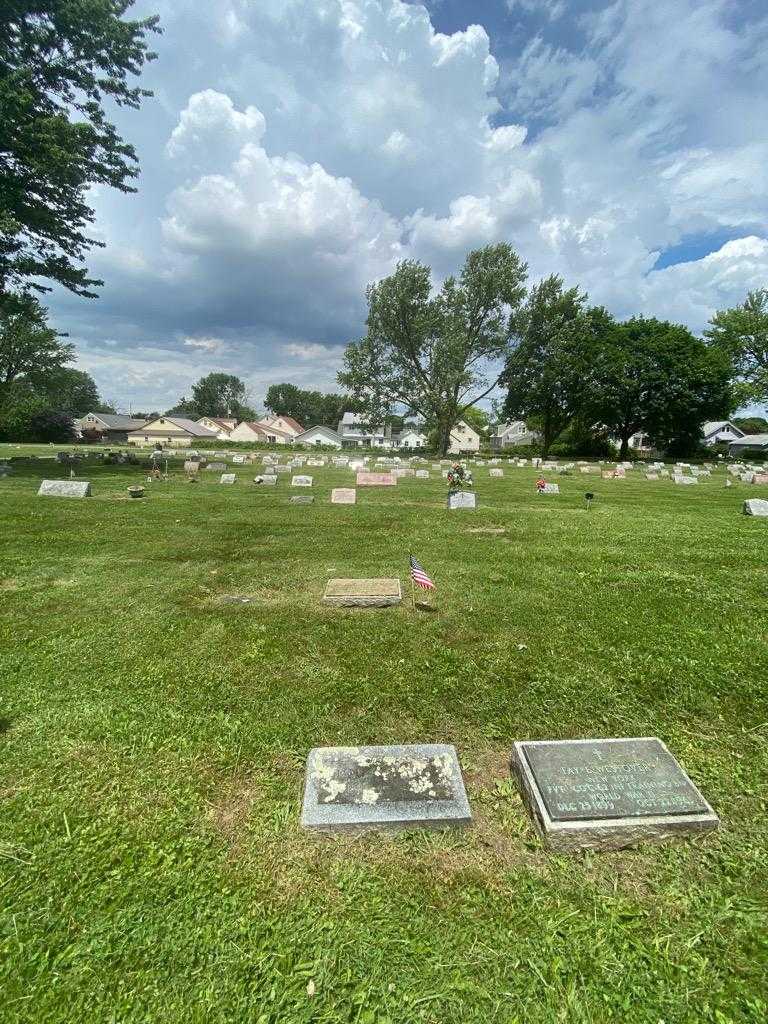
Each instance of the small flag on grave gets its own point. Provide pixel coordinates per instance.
(419, 576)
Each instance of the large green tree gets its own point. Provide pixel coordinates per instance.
(548, 372)
(217, 394)
(652, 376)
(309, 408)
(30, 348)
(742, 334)
(60, 60)
(434, 353)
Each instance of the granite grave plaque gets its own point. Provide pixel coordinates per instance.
(227, 478)
(343, 496)
(65, 489)
(373, 593)
(461, 499)
(756, 507)
(301, 481)
(495, 472)
(302, 499)
(268, 479)
(216, 467)
(550, 489)
(609, 793)
(376, 480)
(385, 788)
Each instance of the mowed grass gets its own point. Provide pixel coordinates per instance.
(153, 740)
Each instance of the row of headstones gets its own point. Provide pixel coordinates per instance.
(581, 794)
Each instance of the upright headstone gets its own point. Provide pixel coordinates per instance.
(363, 788)
(64, 489)
(495, 472)
(756, 507)
(422, 474)
(607, 794)
(461, 499)
(550, 489)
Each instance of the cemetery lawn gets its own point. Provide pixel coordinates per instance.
(153, 739)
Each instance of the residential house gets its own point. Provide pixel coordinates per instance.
(409, 438)
(464, 439)
(749, 445)
(639, 442)
(281, 425)
(173, 431)
(319, 436)
(508, 435)
(222, 427)
(106, 427)
(251, 431)
(355, 433)
(720, 432)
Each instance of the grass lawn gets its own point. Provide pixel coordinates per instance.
(153, 739)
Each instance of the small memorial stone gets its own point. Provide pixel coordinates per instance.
(268, 479)
(217, 467)
(282, 469)
(376, 480)
(756, 507)
(495, 472)
(686, 480)
(65, 489)
(301, 481)
(461, 499)
(760, 478)
(227, 478)
(343, 496)
(608, 794)
(550, 489)
(363, 788)
(191, 467)
(374, 593)
(422, 474)
(238, 460)
(302, 499)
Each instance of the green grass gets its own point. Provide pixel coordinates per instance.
(152, 744)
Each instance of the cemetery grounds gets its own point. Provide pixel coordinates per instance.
(154, 731)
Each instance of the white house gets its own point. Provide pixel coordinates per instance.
(222, 427)
(639, 442)
(720, 431)
(464, 439)
(506, 435)
(409, 438)
(249, 431)
(355, 434)
(319, 435)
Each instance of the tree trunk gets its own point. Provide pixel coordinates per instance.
(443, 437)
(624, 450)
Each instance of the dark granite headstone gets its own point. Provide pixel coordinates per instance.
(607, 794)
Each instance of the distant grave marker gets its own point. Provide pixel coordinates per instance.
(64, 489)
(302, 499)
(267, 479)
(363, 788)
(301, 481)
(495, 472)
(227, 478)
(343, 496)
(422, 474)
(370, 593)
(608, 794)
(462, 499)
(550, 489)
(216, 467)
(376, 480)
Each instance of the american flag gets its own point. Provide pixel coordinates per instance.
(420, 577)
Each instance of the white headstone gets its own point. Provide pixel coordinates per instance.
(756, 507)
(227, 478)
(301, 481)
(65, 489)
(343, 496)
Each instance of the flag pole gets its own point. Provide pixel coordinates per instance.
(413, 586)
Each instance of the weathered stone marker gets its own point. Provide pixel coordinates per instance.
(65, 489)
(302, 499)
(227, 478)
(376, 480)
(495, 472)
(375, 593)
(551, 489)
(756, 507)
(461, 499)
(301, 481)
(216, 467)
(363, 788)
(266, 478)
(343, 496)
(608, 794)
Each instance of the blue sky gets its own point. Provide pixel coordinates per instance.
(297, 149)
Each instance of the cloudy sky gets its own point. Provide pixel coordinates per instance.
(296, 149)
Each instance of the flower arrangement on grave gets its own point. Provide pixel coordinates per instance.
(459, 479)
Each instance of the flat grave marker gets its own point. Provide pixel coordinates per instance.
(376, 480)
(216, 467)
(302, 499)
(228, 478)
(756, 507)
(64, 489)
(606, 794)
(363, 593)
(384, 788)
(495, 472)
(343, 496)
(550, 489)
(268, 479)
(301, 481)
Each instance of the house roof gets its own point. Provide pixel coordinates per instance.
(257, 428)
(504, 428)
(116, 422)
(752, 440)
(328, 431)
(716, 425)
(294, 424)
(188, 426)
(266, 427)
(224, 424)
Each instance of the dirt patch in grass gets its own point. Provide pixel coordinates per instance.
(230, 811)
